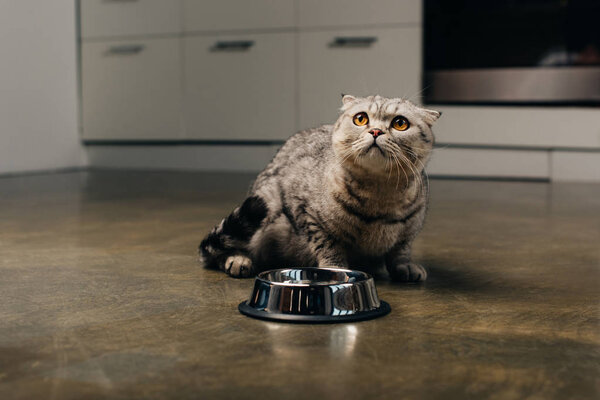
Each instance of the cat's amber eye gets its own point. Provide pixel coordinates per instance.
(400, 123)
(360, 119)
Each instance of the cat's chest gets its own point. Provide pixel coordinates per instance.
(369, 230)
(373, 238)
(368, 221)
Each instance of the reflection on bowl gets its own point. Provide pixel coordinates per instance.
(314, 295)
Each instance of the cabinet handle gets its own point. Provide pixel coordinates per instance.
(119, 1)
(353, 41)
(126, 49)
(233, 45)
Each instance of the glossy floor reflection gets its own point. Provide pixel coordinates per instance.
(101, 297)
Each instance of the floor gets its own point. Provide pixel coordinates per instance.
(101, 297)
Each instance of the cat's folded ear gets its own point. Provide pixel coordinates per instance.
(430, 116)
(347, 99)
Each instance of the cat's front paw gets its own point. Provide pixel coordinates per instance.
(238, 266)
(410, 272)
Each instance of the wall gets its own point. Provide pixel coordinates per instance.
(38, 86)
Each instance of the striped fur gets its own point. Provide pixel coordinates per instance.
(231, 236)
(330, 197)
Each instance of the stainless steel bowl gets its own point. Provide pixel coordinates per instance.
(314, 295)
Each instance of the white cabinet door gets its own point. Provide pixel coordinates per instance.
(239, 87)
(131, 90)
(106, 18)
(359, 62)
(313, 13)
(223, 15)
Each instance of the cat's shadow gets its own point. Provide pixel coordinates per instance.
(443, 276)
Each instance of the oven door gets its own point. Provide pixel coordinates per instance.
(517, 52)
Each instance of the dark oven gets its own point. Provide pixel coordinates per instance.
(512, 52)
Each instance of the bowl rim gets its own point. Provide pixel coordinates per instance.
(365, 276)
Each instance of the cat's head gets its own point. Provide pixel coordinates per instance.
(383, 136)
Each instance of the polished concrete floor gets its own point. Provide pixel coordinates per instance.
(101, 297)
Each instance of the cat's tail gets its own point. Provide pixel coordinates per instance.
(233, 234)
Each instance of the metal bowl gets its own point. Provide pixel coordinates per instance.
(314, 295)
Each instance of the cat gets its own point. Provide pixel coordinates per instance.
(336, 195)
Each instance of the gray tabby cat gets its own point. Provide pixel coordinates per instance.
(341, 195)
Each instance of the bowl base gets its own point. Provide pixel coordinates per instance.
(383, 309)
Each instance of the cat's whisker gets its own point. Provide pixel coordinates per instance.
(393, 163)
(388, 166)
(431, 148)
(413, 168)
(402, 160)
(345, 156)
(418, 170)
(356, 152)
(417, 176)
(418, 93)
(413, 153)
(413, 147)
(400, 167)
(423, 170)
(394, 150)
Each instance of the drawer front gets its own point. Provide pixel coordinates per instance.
(106, 18)
(519, 126)
(358, 62)
(239, 87)
(314, 13)
(223, 15)
(131, 90)
(489, 163)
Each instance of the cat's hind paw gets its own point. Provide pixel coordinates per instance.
(410, 272)
(238, 266)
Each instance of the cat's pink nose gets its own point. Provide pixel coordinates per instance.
(376, 132)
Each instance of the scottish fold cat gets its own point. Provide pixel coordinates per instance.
(349, 194)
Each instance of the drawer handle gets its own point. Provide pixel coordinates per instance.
(353, 41)
(233, 45)
(126, 49)
(119, 1)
